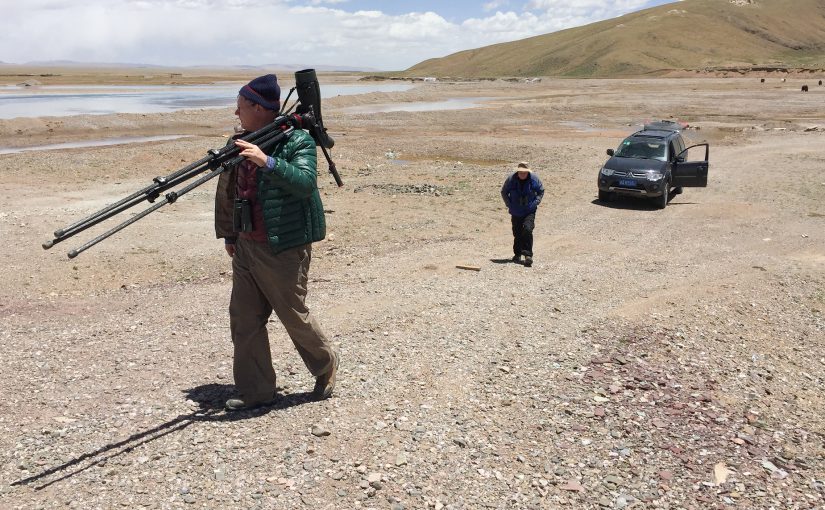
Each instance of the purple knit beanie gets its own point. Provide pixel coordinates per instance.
(263, 90)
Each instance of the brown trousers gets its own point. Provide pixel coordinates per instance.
(263, 282)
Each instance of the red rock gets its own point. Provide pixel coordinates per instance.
(665, 475)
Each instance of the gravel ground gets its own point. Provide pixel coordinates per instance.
(649, 359)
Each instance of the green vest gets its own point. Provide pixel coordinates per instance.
(288, 194)
(293, 213)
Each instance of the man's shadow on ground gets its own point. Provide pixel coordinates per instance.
(210, 399)
(509, 261)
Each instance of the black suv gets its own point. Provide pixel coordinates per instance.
(652, 163)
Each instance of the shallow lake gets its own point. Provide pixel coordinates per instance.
(61, 101)
(92, 143)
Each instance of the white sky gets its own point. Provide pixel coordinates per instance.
(388, 35)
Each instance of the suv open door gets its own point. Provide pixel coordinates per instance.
(691, 174)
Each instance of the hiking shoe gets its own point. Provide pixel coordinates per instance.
(528, 261)
(516, 258)
(325, 383)
(242, 404)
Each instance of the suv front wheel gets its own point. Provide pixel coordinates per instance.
(661, 201)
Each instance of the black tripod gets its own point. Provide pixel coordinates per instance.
(215, 163)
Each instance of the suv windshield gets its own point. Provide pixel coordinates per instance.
(643, 149)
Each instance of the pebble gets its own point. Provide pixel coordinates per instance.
(613, 480)
(320, 431)
(623, 501)
(572, 485)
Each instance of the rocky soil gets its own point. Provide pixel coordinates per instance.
(649, 359)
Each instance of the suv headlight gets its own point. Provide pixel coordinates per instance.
(653, 175)
(607, 172)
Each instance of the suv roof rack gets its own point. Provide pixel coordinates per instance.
(663, 125)
(650, 135)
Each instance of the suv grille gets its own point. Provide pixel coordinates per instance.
(622, 173)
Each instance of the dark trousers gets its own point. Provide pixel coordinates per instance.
(523, 234)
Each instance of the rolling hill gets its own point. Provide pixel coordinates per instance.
(686, 35)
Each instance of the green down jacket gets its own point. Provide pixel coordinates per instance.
(293, 213)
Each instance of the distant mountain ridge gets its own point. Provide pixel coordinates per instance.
(126, 65)
(686, 35)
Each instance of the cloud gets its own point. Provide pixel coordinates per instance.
(587, 5)
(494, 5)
(586, 9)
(258, 32)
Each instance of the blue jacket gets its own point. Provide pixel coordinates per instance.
(522, 197)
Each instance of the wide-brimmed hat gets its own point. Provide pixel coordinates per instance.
(523, 166)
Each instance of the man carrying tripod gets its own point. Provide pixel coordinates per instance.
(269, 212)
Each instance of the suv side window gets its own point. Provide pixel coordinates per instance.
(680, 145)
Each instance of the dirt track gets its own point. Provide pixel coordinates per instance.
(644, 355)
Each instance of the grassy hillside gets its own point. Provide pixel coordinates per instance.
(692, 34)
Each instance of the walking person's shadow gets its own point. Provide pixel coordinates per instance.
(210, 399)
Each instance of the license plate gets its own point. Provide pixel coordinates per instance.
(627, 183)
